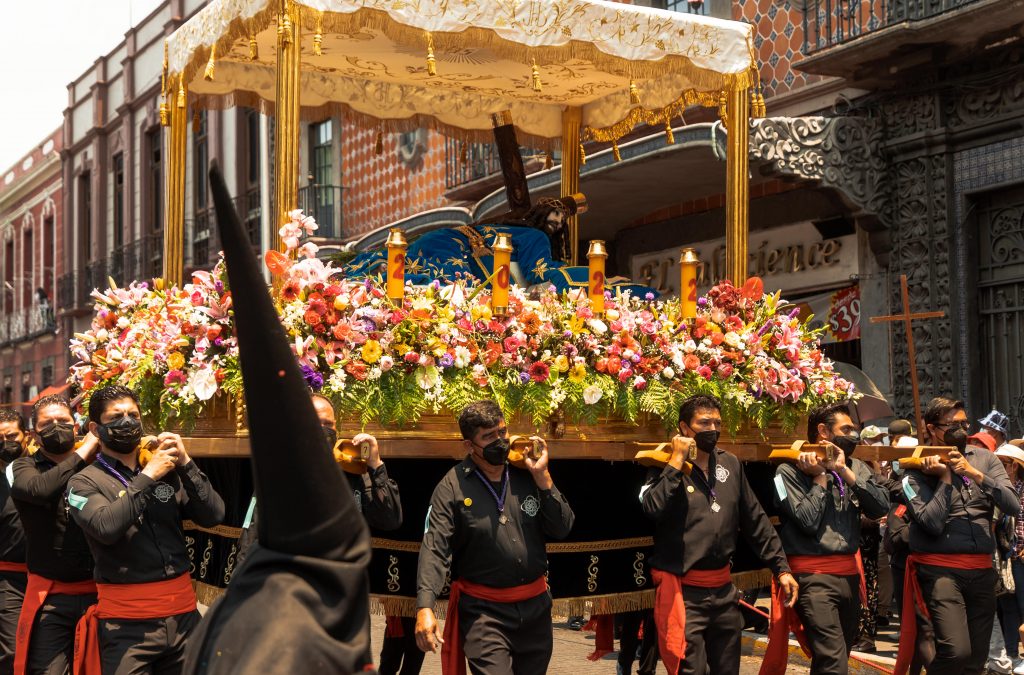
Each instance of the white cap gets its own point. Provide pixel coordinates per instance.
(1011, 452)
(906, 442)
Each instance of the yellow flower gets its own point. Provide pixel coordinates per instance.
(578, 372)
(480, 312)
(577, 325)
(371, 351)
(561, 363)
(401, 348)
(175, 361)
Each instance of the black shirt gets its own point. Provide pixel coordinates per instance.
(957, 518)
(55, 545)
(135, 531)
(12, 535)
(376, 497)
(463, 531)
(820, 520)
(689, 534)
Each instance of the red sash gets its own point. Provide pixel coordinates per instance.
(670, 609)
(912, 596)
(36, 590)
(453, 656)
(393, 626)
(784, 619)
(13, 567)
(154, 600)
(603, 626)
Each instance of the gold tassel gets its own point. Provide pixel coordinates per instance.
(549, 161)
(208, 73)
(196, 121)
(615, 151)
(583, 155)
(536, 77)
(318, 37)
(254, 48)
(431, 61)
(181, 90)
(464, 153)
(723, 109)
(634, 94)
(378, 147)
(165, 113)
(670, 138)
(285, 29)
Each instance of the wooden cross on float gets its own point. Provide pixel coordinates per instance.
(907, 317)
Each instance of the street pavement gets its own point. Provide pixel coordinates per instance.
(570, 655)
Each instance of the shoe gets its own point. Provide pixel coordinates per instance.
(576, 623)
(1018, 666)
(864, 645)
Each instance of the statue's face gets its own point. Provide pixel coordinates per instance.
(554, 221)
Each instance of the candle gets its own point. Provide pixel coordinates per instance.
(396, 265)
(688, 262)
(596, 256)
(502, 269)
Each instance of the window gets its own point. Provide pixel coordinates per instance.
(118, 216)
(9, 288)
(251, 206)
(26, 381)
(201, 250)
(47, 372)
(48, 243)
(154, 181)
(26, 268)
(85, 216)
(321, 167)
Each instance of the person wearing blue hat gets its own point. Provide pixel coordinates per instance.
(997, 425)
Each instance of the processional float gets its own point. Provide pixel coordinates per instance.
(553, 75)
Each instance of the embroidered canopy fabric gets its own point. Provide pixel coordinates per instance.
(619, 63)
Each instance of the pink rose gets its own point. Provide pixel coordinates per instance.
(704, 372)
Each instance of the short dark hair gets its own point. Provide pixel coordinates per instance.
(46, 402)
(12, 415)
(938, 407)
(480, 415)
(688, 410)
(104, 395)
(826, 415)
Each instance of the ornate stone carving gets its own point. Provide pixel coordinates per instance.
(838, 152)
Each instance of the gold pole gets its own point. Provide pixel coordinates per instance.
(174, 208)
(286, 144)
(572, 118)
(737, 187)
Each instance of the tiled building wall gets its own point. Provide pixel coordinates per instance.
(778, 39)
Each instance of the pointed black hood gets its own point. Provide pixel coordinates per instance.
(306, 506)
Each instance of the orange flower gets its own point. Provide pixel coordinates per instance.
(691, 362)
(530, 323)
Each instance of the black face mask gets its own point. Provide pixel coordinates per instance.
(121, 435)
(706, 440)
(495, 453)
(10, 451)
(957, 437)
(57, 437)
(847, 443)
(332, 437)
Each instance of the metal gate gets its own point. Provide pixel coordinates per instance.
(1001, 302)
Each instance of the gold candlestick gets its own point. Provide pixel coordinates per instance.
(502, 270)
(597, 254)
(396, 245)
(688, 262)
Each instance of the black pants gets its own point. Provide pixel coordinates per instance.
(401, 652)
(511, 638)
(157, 646)
(51, 648)
(12, 594)
(629, 625)
(829, 608)
(713, 625)
(962, 606)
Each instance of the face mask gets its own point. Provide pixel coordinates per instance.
(57, 437)
(496, 452)
(956, 437)
(121, 435)
(332, 437)
(10, 451)
(847, 443)
(706, 440)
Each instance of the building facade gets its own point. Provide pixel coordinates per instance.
(32, 351)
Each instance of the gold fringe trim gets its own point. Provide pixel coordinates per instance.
(703, 80)
(318, 37)
(395, 545)
(652, 117)
(220, 530)
(604, 545)
(746, 581)
(206, 593)
(614, 603)
(208, 73)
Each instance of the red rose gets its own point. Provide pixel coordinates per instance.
(614, 364)
(213, 332)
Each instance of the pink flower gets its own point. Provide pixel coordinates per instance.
(725, 370)
(704, 372)
(174, 377)
(511, 344)
(639, 382)
(625, 374)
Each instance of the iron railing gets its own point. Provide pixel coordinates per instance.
(687, 6)
(27, 323)
(203, 246)
(829, 23)
(466, 162)
(323, 202)
(139, 260)
(250, 210)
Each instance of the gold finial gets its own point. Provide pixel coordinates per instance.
(615, 151)
(165, 113)
(254, 48)
(318, 37)
(723, 109)
(208, 73)
(284, 29)
(670, 138)
(583, 155)
(634, 93)
(549, 161)
(396, 238)
(431, 61)
(536, 77)
(181, 90)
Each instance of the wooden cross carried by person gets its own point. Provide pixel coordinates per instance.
(907, 317)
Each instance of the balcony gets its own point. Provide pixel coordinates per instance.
(323, 202)
(867, 41)
(202, 246)
(473, 170)
(139, 260)
(27, 324)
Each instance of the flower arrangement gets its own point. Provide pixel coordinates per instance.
(442, 348)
